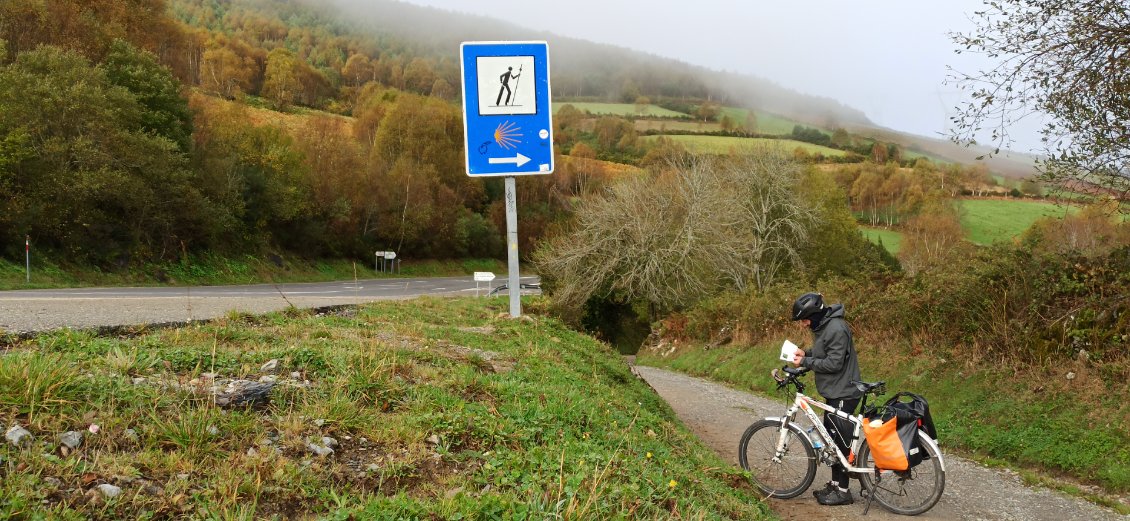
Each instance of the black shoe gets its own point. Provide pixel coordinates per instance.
(820, 494)
(836, 497)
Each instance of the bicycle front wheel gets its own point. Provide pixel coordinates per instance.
(783, 475)
(907, 492)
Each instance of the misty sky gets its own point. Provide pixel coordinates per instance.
(887, 58)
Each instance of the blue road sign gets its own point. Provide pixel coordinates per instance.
(507, 119)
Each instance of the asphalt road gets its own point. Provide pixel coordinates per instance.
(26, 311)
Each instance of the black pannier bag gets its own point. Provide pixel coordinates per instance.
(912, 414)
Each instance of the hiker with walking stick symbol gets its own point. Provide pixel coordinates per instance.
(505, 81)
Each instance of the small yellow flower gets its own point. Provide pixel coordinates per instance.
(649, 455)
(672, 483)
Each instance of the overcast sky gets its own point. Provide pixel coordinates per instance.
(887, 58)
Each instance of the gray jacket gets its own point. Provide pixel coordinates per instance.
(833, 357)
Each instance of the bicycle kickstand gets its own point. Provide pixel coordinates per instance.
(870, 495)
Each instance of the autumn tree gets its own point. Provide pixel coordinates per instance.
(1067, 60)
(841, 138)
(165, 110)
(282, 79)
(641, 104)
(931, 237)
(879, 153)
(750, 123)
(358, 70)
(835, 246)
(707, 110)
(81, 167)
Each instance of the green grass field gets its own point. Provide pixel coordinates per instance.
(724, 144)
(984, 221)
(767, 123)
(890, 239)
(990, 220)
(433, 409)
(643, 125)
(620, 109)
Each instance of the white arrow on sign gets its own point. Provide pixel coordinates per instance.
(518, 160)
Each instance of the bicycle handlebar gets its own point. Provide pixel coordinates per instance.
(792, 378)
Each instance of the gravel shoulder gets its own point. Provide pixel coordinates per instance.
(718, 415)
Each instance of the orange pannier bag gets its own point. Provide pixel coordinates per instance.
(887, 448)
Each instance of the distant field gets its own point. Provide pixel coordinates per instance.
(724, 144)
(890, 239)
(984, 221)
(661, 125)
(620, 109)
(912, 154)
(767, 123)
(615, 169)
(989, 220)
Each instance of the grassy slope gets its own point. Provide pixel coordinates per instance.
(985, 221)
(890, 239)
(443, 410)
(619, 109)
(723, 144)
(767, 123)
(990, 220)
(1030, 418)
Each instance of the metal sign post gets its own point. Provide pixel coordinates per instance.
(27, 256)
(508, 131)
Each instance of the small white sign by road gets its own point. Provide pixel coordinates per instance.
(483, 276)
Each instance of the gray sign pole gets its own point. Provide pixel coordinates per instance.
(27, 256)
(512, 248)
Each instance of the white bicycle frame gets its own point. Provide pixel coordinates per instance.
(804, 403)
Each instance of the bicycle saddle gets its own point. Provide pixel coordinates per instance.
(870, 387)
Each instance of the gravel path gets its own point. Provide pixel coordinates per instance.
(719, 415)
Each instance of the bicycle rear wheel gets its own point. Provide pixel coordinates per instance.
(908, 492)
(784, 475)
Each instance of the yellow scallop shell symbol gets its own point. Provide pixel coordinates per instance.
(507, 134)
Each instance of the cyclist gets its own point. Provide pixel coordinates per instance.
(833, 359)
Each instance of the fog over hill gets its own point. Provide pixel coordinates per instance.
(584, 69)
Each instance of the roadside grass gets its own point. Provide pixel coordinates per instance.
(725, 144)
(889, 239)
(620, 109)
(439, 409)
(1031, 419)
(990, 220)
(211, 270)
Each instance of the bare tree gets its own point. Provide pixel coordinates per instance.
(690, 229)
(1068, 60)
(931, 237)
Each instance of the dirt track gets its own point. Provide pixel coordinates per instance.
(719, 415)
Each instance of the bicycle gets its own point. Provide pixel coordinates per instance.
(781, 455)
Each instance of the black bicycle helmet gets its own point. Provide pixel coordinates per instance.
(806, 305)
